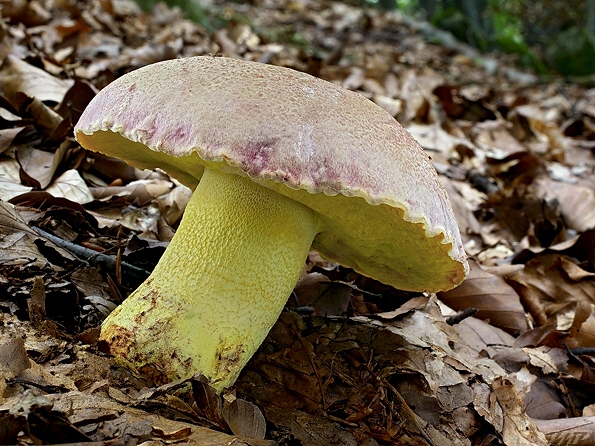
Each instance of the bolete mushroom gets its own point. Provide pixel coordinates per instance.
(280, 161)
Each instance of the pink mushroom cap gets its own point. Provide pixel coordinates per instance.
(382, 208)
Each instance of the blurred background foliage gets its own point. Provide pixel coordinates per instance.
(548, 36)
(193, 9)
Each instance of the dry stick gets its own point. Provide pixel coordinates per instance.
(461, 316)
(341, 421)
(93, 257)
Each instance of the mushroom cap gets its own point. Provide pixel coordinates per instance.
(382, 208)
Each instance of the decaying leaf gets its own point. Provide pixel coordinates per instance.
(496, 301)
(17, 76)
(551, 284)
(577, 203)
(13, 359)
(358, 369)
(70, 185)
(103, 417)
(17, 242)
(517, 428)
(245, 419)
(570, 431)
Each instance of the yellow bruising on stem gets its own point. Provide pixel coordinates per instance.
(220, 285)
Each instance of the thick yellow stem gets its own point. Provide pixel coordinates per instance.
(219, 287)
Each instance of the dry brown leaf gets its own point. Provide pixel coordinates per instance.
(10, 189)
(326, 297)
(581, 314)
(441, 145)
(142, 192)
(548, 286)
(540, 357)
(90, 283)
(548, 133)
(582, 333)
(543, 401)
(17, 242)
(417, 91)
(416, 303)
(245, 419)
(517, 428)
(535, 371)
(576, 203)
(179, 434)
(91, 408)
(578, 431)
(17, 76)
(482, 337)
(144, 220)
(581, 248)
(496, 301)
(355, 79)
(315, 430)
(334, 353)
(465, 103)
(464, 201)
(391, 105)
(13, 358)
(45, 118)
(39, 166)
(486, 405)
(495, 140)
(172, 204)
(70, 185)
(7, 136)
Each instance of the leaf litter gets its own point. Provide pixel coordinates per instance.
(353, 361)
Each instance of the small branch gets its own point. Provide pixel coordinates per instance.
(461, 316)
(107, 263)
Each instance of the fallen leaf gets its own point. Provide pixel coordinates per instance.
(495, 139)
(17, 243)
(578, 431)
(551, 284)
(517, 428)
(496, 301)
(70, 185)
(7, 136)
(577, 203)
(245, 419)
(13, 358)
(16, 75)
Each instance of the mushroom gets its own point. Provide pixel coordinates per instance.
(280, 161)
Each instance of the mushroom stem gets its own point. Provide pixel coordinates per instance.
(220, 285)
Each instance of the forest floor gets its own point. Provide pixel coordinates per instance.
(367, 364)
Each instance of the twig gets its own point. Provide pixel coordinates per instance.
(108, 263)
(461, 316)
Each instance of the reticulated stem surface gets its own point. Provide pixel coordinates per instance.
(219, 287)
